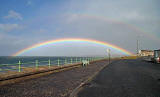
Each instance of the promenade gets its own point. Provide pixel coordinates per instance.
(125, 78)
(59, 84)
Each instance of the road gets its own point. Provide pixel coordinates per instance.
(125, 78)
(58, 84)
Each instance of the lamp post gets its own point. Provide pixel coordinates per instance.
(138, 43)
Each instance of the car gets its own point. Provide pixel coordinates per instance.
(157, 56)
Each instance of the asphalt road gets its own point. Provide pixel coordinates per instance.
(58, 84)
(125, 78)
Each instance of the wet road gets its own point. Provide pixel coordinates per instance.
(125, 78)
(54, 85)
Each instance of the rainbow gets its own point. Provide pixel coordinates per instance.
(72, 40)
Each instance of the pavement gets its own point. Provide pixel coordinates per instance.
(59, 84)
(125, 78)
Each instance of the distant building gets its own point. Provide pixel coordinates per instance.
(146, 52)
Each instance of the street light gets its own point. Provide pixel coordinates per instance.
(138, 44)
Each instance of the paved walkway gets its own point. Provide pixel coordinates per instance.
(125, 78)
(54, 85)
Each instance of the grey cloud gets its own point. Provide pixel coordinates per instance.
(9, 27)
(106, 30)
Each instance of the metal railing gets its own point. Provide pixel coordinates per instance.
(19, 66)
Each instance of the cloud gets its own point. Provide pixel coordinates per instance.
(106, 29)
(29, 3)
(9, 43)
(14, 15)
(9, 27)
(133, 15)
(128, 10)
(103, 20)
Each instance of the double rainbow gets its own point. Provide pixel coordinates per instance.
(72, 40)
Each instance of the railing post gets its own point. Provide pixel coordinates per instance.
(19, 67)
(65, 61)
(71, 60)
(49, 63)
(76, 59)
(36, 64)
(80, 59)
(58, 61)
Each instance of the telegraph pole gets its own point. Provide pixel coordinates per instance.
(137, 47)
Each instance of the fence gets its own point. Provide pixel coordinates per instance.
(19, 66)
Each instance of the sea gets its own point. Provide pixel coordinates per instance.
(10, 63)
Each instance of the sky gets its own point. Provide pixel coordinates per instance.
(120, 22)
